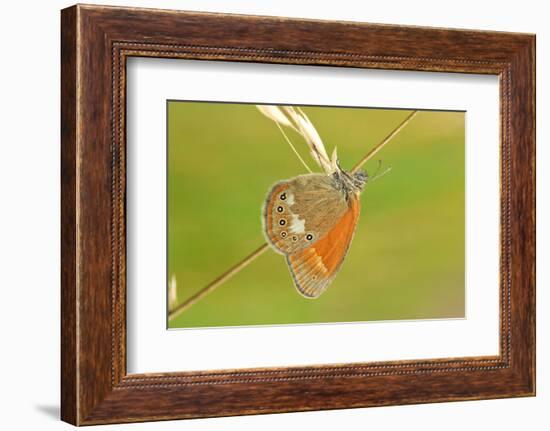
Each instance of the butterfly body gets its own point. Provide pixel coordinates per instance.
(311, 219)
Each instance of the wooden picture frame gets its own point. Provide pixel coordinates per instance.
(96, 41)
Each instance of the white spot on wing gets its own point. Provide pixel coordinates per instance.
(297, 225)
(289, 198)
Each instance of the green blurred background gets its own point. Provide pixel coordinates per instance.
(407, 257)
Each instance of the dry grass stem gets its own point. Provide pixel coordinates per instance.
(176, 311)
(387, 139)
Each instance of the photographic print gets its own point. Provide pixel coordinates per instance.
(282, 214)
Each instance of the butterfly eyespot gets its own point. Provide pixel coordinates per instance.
(283, 196)
(282, 222)
(294, 238)
(309, 237)
(283, 234)
(280, 209)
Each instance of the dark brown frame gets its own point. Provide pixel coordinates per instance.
(95, 43)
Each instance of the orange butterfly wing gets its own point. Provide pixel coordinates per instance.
(299, 211)
(314, 268)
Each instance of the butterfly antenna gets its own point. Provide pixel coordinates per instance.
(377, 168)
(379, 174)
(294, 148)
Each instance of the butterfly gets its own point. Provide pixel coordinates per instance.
(311, 219)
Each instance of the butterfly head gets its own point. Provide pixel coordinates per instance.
(359, 178)
(350, 183)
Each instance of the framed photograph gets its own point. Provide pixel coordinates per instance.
(266, 215)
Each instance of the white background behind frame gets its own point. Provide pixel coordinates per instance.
(152, 348)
